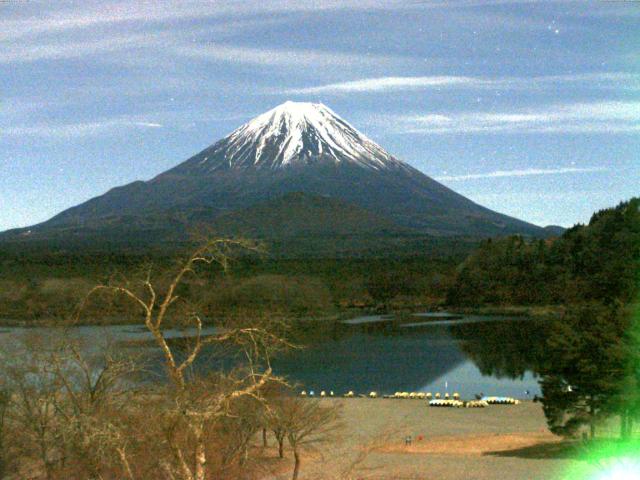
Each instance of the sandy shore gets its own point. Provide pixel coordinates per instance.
(497, 442)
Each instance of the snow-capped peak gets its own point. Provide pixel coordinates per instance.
(297, 133)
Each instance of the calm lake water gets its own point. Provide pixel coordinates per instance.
(434, 353)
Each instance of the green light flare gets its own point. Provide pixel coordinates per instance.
(612, 459)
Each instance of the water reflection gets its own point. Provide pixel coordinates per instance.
(472, 355)
(436, 353)
(365, 359)
(503, 349)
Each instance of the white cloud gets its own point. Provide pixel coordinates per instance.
(77, 130)
(388, 83)
(520, 173)
(596, 117)
(187, 42)
(378, 84)
(64, 16)
(160, 41)
(107, 14)
(21, 53)
(277, 57)
(148, 124)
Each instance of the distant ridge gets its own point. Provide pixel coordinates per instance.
(555, 230)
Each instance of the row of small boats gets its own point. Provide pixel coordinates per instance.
(483, 402)
(501, 400)
(423, 396)
(436, 400)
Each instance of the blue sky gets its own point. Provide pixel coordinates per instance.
(531, 108)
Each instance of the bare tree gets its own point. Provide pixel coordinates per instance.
(197, 405)
(92, 387)
(59, 401)
(238, 428)
(76, 412)
(275, 415)
(308, 423)
(33, 388)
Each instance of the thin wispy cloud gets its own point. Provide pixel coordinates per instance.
(148, 124)
(384, 84)
(158, 41)
(114, 14)
(278, 57)
(389, 83)
(25, 53)
(597, 117)
(78, 130)
(187, 44)
(31, 22)
(520, 173)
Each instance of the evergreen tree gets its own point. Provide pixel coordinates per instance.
(597, 262)
(587, 367)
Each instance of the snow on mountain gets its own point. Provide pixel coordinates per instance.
(296, 133)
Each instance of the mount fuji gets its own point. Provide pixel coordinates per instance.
(298, 169)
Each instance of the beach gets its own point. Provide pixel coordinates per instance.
(499, 441)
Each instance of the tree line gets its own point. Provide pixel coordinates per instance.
(594, 262)
(46, 287)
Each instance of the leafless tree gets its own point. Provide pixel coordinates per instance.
(275, 415)
(58, 400)
(92, 387)
(238, 428)
(76, 413)
(197, 406)
(33, 388)
(307, 424)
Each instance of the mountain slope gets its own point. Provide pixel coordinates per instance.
(303, 215)
(295, 147)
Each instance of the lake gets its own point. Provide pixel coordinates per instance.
(457, 354)
(435, 353)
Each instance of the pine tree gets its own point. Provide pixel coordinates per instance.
(587, 368)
